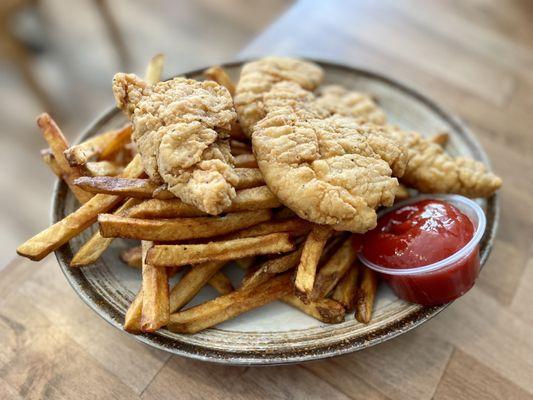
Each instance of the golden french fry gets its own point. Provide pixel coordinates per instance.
(62, 231)
(102, 168)
(96, 245)
(325, 310)
(334, 269)
(366, 294)
(440, 138)
(236, 132)
(177, 255)
(245, 263)
(246, 200)
(154, 69)
(146, 189)
(284, 213)
(238, 147)
(168, 230)
(50, 161)
(220, 76)
(271, 268)
(313, 248)
(346, 289)
(132, 257)
(246, 160)
(294, 226)
(155, 304)
(229, 306)
(58, 144)
(182, 292)
(116, 143)
(221, 283)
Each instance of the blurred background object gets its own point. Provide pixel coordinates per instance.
(60, 56)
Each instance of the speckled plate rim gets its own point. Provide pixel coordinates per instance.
(96, 302)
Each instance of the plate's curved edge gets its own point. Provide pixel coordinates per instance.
(411, 321)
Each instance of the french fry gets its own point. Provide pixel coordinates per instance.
(236, 132)
(154, 69)
(284, 213)
(168, 230)
(58, 144)
(346, 289)
(402, 193)
(325, 310)
(238, 147)
(245, 263)
(313, 248)
(102, 168)
(155, 304)
(294, 226)
(177, 255)
(220, 76)
(146, 189)
(249, 177)
(221, 283)
(229, 306)
(245, 160)
(246, 200)
(132, 256)
(272, 268)
(440, 138)
(116, 143)
(182, 292)
(96, 245)
(334, 269)
(50, 161)
(81, 153)
(61, 232)
(366, 294)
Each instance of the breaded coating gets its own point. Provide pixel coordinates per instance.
(335, 99)
(180, 129)
(333, 170)
(432, 170)
(257, 78)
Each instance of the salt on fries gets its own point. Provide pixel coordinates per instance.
(256, 233)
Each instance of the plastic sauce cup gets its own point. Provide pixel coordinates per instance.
(445, 280)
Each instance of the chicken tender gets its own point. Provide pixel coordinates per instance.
(335, 99)
(257, 78)
(333, 170)
(431, 170)
(181, 130)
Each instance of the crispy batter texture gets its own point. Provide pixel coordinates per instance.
(333, 171)
(366, 294)
(178, 229)
(229, 306)
(258, 77)
(334, 269)
(312, 251)
(431, 169)
(178, 255)
(181, 129)
(335, 99)
(62, 231)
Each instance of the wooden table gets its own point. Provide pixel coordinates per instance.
(473, 57)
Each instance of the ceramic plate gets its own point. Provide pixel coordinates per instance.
(276, 333)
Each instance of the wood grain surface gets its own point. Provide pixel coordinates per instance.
(473, 57)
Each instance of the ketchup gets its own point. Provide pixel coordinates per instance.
(417, 235)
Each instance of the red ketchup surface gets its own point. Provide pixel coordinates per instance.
(419, 234)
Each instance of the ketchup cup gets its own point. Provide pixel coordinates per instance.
(447, 279)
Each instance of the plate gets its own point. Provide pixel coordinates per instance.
(276, 333)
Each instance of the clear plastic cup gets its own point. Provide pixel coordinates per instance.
(445, 280)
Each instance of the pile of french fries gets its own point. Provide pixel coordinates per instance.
(307, 266)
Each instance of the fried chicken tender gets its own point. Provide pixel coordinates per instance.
(329, 170)
(430, 169)
(181, 129)
(335, 99)
(257, 78)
